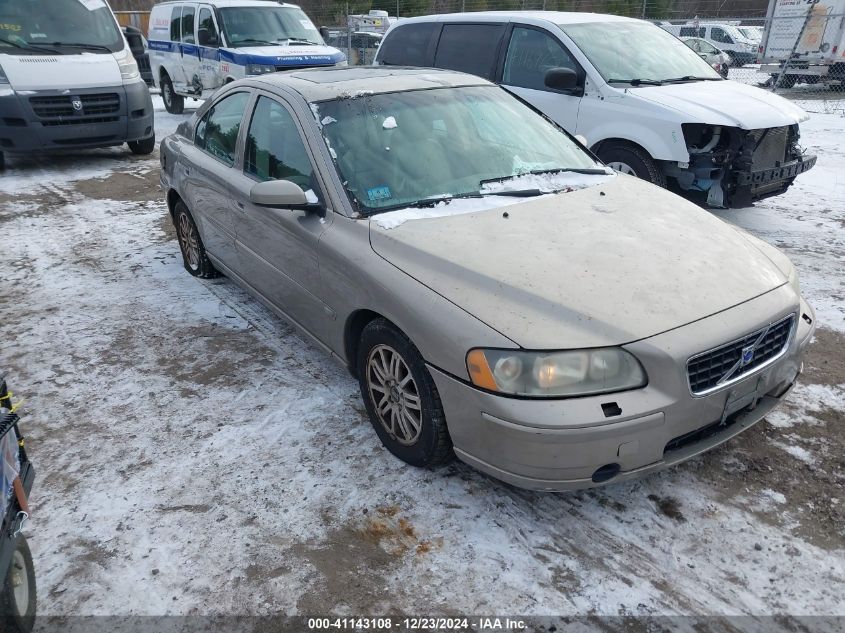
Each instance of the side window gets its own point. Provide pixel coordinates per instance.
(719, 35)
(175, 20)
(274, 148)
(207, 31)
(188, 25)
(408, 45)
(217, 131)
(469, 48)
(689, 31)
(530, 54)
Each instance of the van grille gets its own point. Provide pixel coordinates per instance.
(62, 106)
(724, 365)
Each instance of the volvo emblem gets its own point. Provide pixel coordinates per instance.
(747, 355)
(76, 102)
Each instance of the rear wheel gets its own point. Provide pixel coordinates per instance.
(18, 599)
(190, 243)
(632, 160)
(401, 397)
(143, 146)
(173, 103)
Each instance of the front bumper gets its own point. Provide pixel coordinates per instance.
(756, 185)
(564, 444)
(26, 127)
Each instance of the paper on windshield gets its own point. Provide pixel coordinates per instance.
(92, 5)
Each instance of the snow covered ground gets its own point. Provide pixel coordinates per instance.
(195, 456)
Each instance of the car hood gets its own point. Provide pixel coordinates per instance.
(61, 72)
(606, 265)
(725, 103)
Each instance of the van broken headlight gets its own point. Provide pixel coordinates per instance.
(259, 69)
(555, 374)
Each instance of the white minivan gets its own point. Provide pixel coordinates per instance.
(196, 47)
(646, 104)
(738, 42)
(68, 79)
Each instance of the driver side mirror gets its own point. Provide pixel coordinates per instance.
(280, 193)
(563, 79)
(206, 38)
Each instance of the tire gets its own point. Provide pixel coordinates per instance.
(632, 160)
(190, 243)
(144, 146)
(787, 81)
(429, 443)
(18, 600)
(173, 103)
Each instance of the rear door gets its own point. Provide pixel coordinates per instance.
(470, 47)
(532, 51)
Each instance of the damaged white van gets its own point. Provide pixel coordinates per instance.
(646, 103)
(68, 79)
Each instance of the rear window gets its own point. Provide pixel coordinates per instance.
(408, 45)
(469, 48)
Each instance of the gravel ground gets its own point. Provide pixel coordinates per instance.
(195, 456)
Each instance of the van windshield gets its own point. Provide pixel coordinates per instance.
(638, 53)
(418, 147)
(58, 27)
(263, 26)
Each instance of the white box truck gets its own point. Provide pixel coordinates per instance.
(804, 42)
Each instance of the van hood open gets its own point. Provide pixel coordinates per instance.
(61, 72)
(725, 103)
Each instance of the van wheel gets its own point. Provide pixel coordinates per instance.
(17, 602)
(173, 103)
(401, 397)
(631, 160)
(190, 243)
(144, 146)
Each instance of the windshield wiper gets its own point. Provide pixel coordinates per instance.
(298, 40)
(636, 82)
(423, 203)
(96, 47)
(594, 171)
(685, 78)
(28, 46)
(517, 193)
(252, 41)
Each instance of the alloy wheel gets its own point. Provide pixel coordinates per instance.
(189, 240)
(622, 168)
(394, 394)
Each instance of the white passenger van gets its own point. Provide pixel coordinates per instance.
(646, 104)
(68, 79)
(196, 47)
(726, 36)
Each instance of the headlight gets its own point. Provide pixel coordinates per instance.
(793, 281)
(127, 65)
(342, 63)
(259, 69)
(555, 374)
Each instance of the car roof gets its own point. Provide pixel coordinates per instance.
(555, 17)
(323, 84)
(229, 3)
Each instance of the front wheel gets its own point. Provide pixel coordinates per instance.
(631, 160)
(401, 397)
(144, 146)
(173, 103)
(18, 599)
(190, 243)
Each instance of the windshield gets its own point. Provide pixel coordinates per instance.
(260, 26)
(622, 51)
(58, 27)
(399, 149)
(750, 32)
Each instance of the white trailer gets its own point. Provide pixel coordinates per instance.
(804, 42)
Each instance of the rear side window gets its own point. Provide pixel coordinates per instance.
(217, 131)
(188, 25)
(469, 48)
(692, 31)
(408, 45)
(175, 21)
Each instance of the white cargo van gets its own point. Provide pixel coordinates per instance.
(68, 79)
(805, 42)
(726, 36)
(646, 104)
(196, 47)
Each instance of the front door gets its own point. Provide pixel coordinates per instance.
(208, 41)
(190, 50)
(530, 53)
(277, 247)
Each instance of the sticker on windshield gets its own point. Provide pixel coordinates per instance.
(382, 192)
(306, 24)
(92, 5)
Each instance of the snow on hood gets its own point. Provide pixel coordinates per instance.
(725, 103)
(545, 183)
(61, 72)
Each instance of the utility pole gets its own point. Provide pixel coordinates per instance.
(644, 6)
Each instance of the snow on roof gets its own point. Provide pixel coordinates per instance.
(233, 3)
(554, 17)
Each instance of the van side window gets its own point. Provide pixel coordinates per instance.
(469, 48)
(719, 35)
(206, 24)
(175, 20)
(407, 45)
(274, 148)
(692, 31)
(217, 131)
(188, 25)
(530, 54)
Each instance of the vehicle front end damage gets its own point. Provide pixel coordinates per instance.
(735, 167)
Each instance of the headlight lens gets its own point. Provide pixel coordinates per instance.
(259, 69)
(128, 66)
(555, 374)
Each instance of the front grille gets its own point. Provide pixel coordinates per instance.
(724, 365)
(699, 435)
(81, 121)
(771, 148)
(62, 105)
